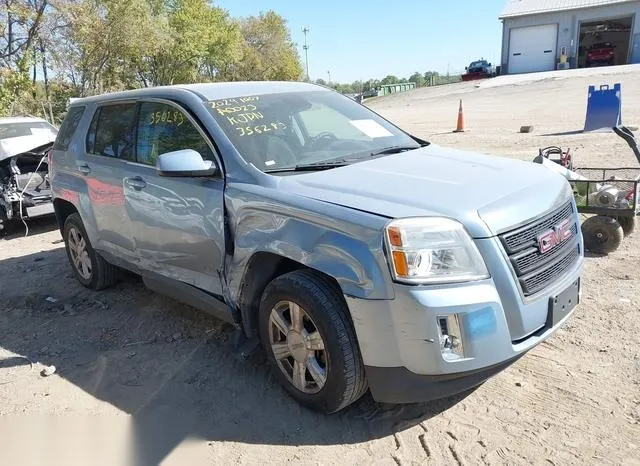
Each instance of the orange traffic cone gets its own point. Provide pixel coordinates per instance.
(460, 125)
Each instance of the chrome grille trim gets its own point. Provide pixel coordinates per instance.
(525, 236)
(533, 270)
(530, 259)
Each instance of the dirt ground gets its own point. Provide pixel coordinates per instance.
(127, 355)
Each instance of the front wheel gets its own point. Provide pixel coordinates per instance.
(602, 234)
(309, 341)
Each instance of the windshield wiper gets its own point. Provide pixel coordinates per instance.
(393, 150)
(333, 163)
(315, 166)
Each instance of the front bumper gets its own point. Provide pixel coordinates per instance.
(399, 385)
(32, 206)
(399, 339)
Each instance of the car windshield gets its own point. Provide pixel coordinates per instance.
(32, 128)
(478, 64)
(293, 129)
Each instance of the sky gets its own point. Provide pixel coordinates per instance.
(362, 40)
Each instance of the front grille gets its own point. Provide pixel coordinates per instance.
(537, 281)
(531, 259)
(535, 270)
(525, 236)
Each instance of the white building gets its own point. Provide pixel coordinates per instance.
(543, 35)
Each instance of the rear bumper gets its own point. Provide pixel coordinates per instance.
(399, 385)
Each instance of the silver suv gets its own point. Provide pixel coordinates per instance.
(362, 257)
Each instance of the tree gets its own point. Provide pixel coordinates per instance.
(342, 88)
(86, 47)
(15, 86)
(371, 84)
(268, 52)
(20, 22)
(417, 78)
(20, 27)
(105, 45)
(357, 86)
(200, 40)
(321, 81)
(390, 79)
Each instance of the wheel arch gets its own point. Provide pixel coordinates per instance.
(262, 268)
(63, 209)
(343, 245)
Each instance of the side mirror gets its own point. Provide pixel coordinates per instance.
(489, 64)
(466, 68)
(186, 163)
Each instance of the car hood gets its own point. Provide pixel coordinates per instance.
(19, 145)
(487, 194)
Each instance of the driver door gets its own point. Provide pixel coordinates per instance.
(177, 223)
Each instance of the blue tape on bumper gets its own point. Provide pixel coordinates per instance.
(480, 323)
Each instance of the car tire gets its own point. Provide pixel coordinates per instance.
(330, 379)
(628, 224)
(602, 234)
(91, 269)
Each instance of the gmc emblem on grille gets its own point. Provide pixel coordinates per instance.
(555, 236)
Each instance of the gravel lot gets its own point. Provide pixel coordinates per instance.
(129, 354)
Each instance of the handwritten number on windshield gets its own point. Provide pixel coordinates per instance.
(233, 102)
(259, 129)
(168, 117)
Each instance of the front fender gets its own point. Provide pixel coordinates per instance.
(340, 242)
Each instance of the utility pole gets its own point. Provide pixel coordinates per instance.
(329, 73)
(305, 30)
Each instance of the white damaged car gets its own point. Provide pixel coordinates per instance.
(24, 180)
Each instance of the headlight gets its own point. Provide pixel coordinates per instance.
(432, 250)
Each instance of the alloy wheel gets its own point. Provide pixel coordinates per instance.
(79, 253)
(298, 347)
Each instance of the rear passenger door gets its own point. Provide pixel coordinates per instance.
(110, 145)
(177, 223)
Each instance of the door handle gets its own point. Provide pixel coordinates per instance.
(136, 183)
(84, 168)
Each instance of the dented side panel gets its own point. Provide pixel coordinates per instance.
(343, 243)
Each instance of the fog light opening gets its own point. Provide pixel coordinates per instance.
(451, 345)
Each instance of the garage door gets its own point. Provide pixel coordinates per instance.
(533, 49)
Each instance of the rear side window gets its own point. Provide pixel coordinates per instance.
(163, 128)
(111, 133)
(68, 128)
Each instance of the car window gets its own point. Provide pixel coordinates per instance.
(113, 132)
(91, 134)
(321, 118)
(164, 128)
(284, 130)
(68, 128)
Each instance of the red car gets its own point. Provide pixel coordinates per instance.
(601, 53)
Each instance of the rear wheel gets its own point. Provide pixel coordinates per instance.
(628, 224)
(309, 341)
(602, 234)
(88, 266)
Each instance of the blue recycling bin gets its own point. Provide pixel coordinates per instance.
(604, 108)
